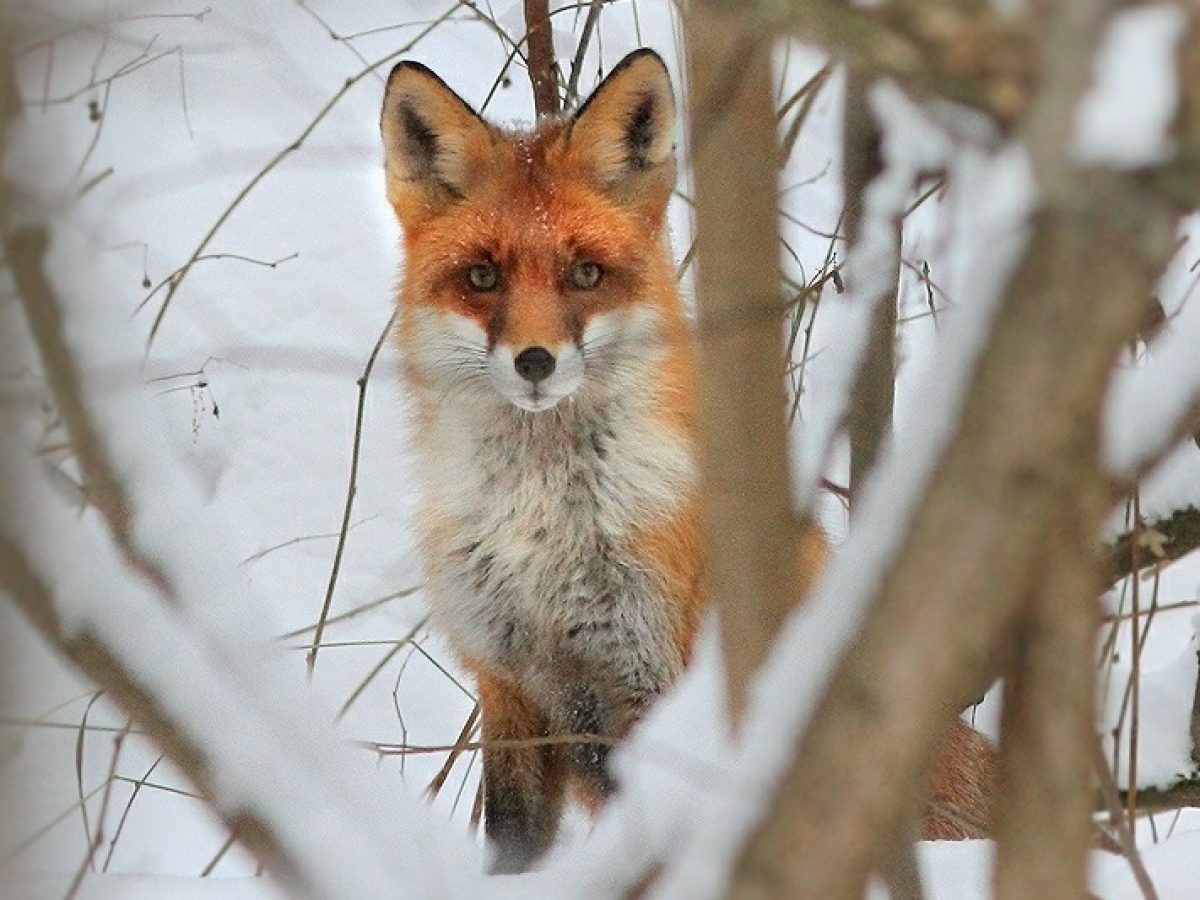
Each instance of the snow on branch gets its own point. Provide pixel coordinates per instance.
(1154, 407)
(223, 709)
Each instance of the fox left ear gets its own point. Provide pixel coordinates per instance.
(435, 144)
(624, 132)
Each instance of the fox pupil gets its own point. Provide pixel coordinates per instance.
(585, 275)
(484, 277)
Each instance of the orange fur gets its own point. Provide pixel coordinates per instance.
(593, 188)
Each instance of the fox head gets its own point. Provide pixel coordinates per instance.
(536, 263)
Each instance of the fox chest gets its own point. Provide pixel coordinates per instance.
(536, 567)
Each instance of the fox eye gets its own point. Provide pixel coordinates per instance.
(484, 276)
(584, 275)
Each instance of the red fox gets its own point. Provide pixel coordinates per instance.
(546, 347)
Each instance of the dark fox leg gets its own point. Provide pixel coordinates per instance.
(523, 787)
(588, 713)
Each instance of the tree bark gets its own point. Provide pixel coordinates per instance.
(1165, 540)
(962, 50)
(539, 41)
(1023, 459)
(750, 531)
(872, 397)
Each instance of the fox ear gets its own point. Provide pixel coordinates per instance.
(625, 130)
(433, 141)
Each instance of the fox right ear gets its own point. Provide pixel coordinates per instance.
(433, 141)
(623, 132)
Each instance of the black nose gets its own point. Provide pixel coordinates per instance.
(534, 364)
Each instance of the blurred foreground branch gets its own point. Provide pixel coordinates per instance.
(1015, 501)
(750, 531)
(960, 50)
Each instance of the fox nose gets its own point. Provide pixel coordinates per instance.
(534, 364)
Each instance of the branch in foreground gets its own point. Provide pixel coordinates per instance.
(962, 51)
(24, 251)
(1160, 541)
(872, 397)
(1021, 451)
(750, 532)
(104, 667)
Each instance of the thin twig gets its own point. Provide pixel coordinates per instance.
(137, 788)
(549, 740)
(275, 161)
(464, 738)
(89, 861)
(1125, 839)
(585, 38)
(351, 490)
(379, 667)
(355, 611)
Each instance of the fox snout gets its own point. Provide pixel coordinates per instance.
(534, 377)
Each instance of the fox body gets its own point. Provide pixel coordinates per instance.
(545, 345)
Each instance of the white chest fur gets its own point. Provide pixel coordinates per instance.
(534, 514)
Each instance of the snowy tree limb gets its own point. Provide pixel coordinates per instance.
(1163, 540)
(750, 531)
(23, 250)
(211, 708)
(872, 396)
(956, 49)
(1022, 474)
(224, 714)
(102, 665)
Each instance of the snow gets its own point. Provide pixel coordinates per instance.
(1151, 399)
(235, 431)
(1125, 117)
(786, 692)
(142, 887)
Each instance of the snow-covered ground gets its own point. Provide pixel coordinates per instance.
(250, 389)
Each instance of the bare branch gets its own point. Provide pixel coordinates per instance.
(352, 489)
(542, 73)
(276, 160)
(1163, 540)
(96, 660)
(872, 396)
(963, 51)
(1018, 463)
(750, 531)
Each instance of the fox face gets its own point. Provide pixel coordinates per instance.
(534, 268)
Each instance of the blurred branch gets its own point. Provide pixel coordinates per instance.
(1163, 540)
(1020, 476)
(872, 396)
(24, 251)
(95, 659)
(964, 51)
(750, 531)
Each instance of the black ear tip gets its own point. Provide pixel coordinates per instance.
(410, 65)
(638, 55)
